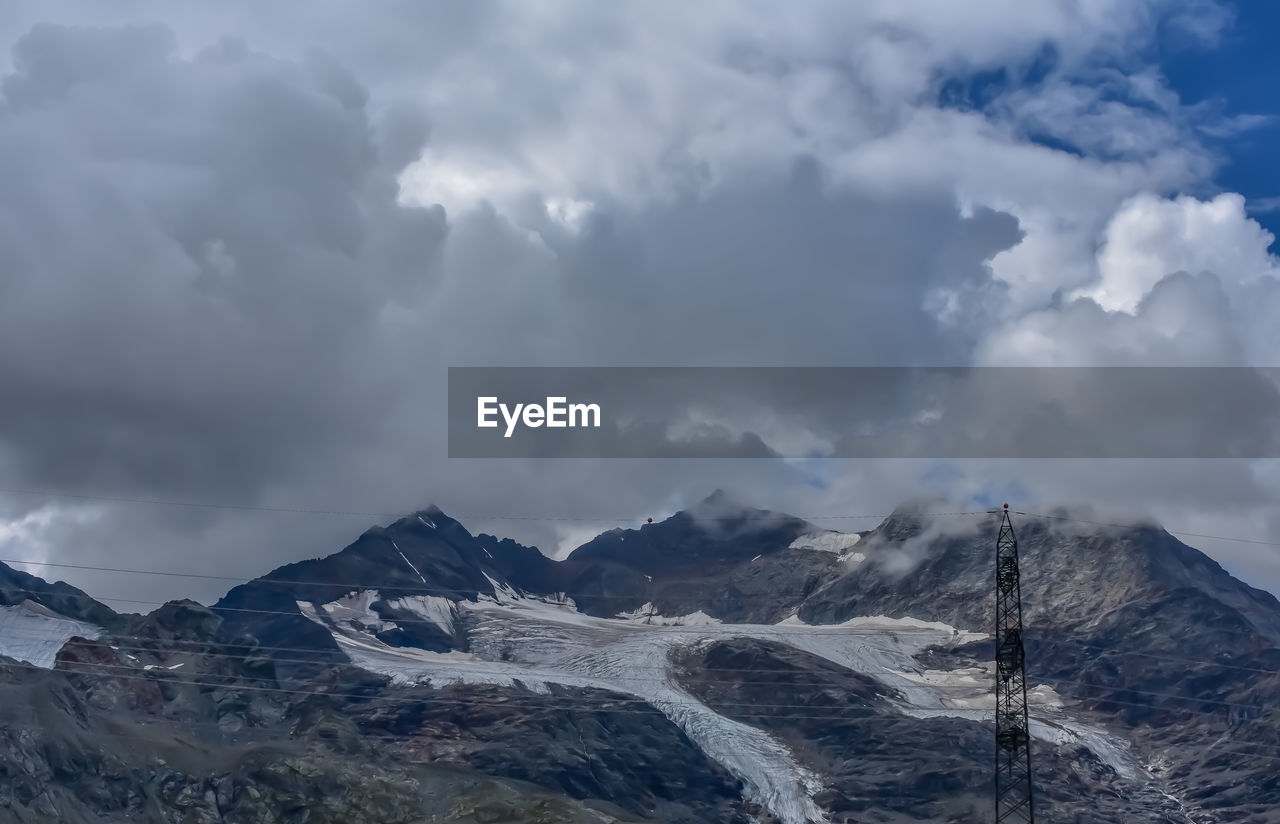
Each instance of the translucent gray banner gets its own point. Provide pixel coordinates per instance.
(864, 412)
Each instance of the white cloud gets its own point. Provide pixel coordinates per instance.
(1174, 281)
(31, 536)
(642, 103)
(1151, 237)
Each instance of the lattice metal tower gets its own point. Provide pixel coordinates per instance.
(1013, 745)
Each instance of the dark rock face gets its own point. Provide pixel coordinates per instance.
(390, 560)
(597, 745)
(171, 776)
(716, 557)
(940, 570)
(216, 739)
(1133, 622)
(879, 762)
(17, 586)
(729, 561)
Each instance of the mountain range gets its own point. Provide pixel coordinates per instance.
(727, 664)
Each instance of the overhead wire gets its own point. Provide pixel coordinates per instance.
(446, 674)
(267, 579)
(758, 631)
(562, 702)
(824, 627)
(621, 519)
(1139, 525)
(766, 516)
(120, 671)
(542, 708)
(407, 740)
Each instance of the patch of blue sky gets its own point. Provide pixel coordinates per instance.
(1236, 78)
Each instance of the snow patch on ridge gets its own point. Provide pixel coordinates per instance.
(355, 611)
(434, 609)
(966, 693)
(405, 558)
(839, 544)
(33, 633)
(1113, 752)
(648, 614)
(884, 622)
(834, 542)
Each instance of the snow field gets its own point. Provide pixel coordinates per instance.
(29, 632)
(533, 643)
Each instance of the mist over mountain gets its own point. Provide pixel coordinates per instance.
(726, 664)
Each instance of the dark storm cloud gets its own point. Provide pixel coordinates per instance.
(210, 294)
(195, 262)
(780, 271)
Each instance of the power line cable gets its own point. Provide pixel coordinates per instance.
(1139, 525)
(535, 711)
(344, 586)
(416, 621)
(579, 518)
(653, 705)
(571, 703)
(768, 516)
(447, 672)
(250, 579)
(828, 630)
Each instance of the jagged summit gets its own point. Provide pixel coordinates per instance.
(17, 587)
(717, 555)
(424, 555)
(717, 500)
(719, 511)
(716, 529)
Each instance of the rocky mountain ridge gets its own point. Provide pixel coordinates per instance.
(726, 664)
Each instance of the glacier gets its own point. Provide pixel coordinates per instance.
(533, 643)
(34, 633)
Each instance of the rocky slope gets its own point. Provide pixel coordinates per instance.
(725, 665)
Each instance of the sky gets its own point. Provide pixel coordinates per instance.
(240, 246)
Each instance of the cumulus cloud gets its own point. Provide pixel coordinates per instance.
(1151, 237)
